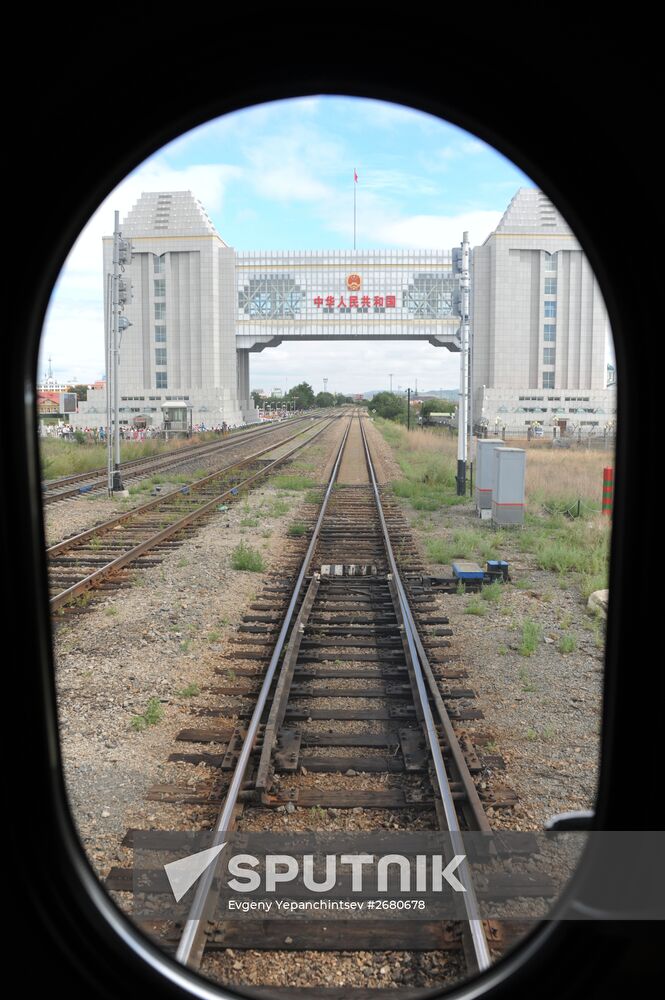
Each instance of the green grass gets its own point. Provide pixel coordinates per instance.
(527, 683)
(465, 543)
(153, 714)
(312, 496)
(567, 643)
(189, 692)
(475, 607)
(492, 593)
(278, 508)
(531, 635)
(297, 529)
(293, 482)
(249, 522)
(246, 558)
(576, 550)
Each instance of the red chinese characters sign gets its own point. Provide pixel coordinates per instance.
(355, 301)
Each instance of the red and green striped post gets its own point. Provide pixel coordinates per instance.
(608, 491)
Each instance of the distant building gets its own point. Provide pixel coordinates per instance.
(200, 308)
(538, 325)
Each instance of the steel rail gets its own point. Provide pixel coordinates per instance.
(137, 550)
(479, 941)
(194, 487)
(189, 947)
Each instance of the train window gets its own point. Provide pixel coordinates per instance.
(329, 622)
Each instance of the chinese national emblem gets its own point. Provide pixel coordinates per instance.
(353, 282)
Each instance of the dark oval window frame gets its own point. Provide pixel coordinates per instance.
(85, 936)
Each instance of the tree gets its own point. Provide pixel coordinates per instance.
(304, 394)
(388, 405)
(256, 396)
(80, 390)
(324, 399)
(436, 406)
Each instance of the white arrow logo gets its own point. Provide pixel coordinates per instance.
(183, 874)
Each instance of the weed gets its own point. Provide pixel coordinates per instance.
(111, 611)
(523, 584)
(493, 592)
(153, 714)
(316, 813)
(502, 650)
(184, 645)
(548, 733)
(183, 561)
(293, 482)
(249, 522)
(531, 635)
(189, 692)
(246, 558)
(475, 607)
(296, 529)
(278, 508)
(312, 497)
(567, 643)
(491, 747)
(531, 735)
(527, 684)
(231, 674)
(566, 620)
(214, 636)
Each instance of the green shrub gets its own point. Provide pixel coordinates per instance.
(531, 635)
(246, 558)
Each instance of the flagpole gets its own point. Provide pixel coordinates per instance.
(355, 185)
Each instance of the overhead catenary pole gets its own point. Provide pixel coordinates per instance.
(462, 410)
(117, 480)
(408, 409)
(109, 356)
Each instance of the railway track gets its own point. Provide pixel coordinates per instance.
(95, 481)
(106, 556)
(341, 668)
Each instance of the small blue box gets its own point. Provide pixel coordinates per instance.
(467, 570)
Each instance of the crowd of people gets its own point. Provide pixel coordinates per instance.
(96, 435)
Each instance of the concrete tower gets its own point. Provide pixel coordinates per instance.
(538, 323)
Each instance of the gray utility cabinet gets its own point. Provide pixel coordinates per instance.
(485, 471)
(508, 486)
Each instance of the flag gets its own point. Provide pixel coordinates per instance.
(355, 175)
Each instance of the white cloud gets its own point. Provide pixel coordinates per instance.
(432, 231)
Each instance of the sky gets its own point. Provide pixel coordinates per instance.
(279, 176)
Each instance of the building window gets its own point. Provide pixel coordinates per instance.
(159, 264)
(548, 380)
(160, 288)
(161, 382)
(550, 310)
(548, 355)
(160, 355)
(549, 332)
(550, 286)
(550, 261)
(160, 311)
(160, 334)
